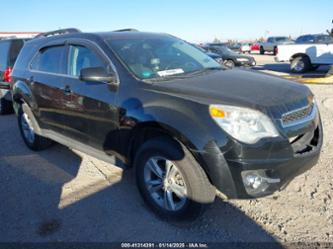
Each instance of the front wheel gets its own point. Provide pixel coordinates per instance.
(30, 138)
(171, 181)
(229, 64)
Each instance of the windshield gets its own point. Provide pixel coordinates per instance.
(161, 57)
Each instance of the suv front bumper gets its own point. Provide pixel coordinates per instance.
(269, 168)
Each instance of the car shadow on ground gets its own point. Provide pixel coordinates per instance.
(35, 209)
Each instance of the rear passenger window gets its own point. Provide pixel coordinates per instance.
(81, 57)
(50, 60)
(14, 51)
(4, 48)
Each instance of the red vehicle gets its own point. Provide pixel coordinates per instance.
(255, 47)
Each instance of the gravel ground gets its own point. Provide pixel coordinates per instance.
(63, 195)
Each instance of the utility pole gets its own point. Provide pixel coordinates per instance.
(330, 72)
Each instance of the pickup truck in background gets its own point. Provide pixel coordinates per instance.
(273, 42)
(305, 57)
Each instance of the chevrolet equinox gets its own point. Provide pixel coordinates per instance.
(190, 127)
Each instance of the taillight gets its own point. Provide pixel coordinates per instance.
(7, 75)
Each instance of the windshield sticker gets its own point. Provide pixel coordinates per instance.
(170, 72)
(146, 74)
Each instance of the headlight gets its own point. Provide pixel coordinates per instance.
(244, 124)
(242, 59)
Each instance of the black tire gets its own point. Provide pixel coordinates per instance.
(275, 51)
(36, 143)
(200, 192)
(6, 106)
(229, 63)
(262, 51)
(300, 64)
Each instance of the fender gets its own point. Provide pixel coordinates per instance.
(185, 125)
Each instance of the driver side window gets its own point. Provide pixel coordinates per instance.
(81, 57)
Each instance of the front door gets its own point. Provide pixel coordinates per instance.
(91, 115)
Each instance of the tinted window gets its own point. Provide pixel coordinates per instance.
(14, 51)
(324, 39)
(4, 48)
(281, 39)
(81, 57)
(49, 60)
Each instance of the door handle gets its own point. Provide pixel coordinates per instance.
(67, 90)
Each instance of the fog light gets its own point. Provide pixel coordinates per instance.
(253, 181)
(256, 181)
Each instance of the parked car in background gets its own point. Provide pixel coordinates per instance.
(189, 126)
(214, 56)
(306, 57)
(230, 58)
(245, 48)
(317, 38)
(272, 43)
(9, 50)
(234, 46)
(255, 47)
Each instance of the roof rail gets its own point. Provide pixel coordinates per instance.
(58, 32)
(126, 30)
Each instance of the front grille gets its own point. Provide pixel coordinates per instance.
(297, 116)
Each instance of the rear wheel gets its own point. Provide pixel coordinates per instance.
(275, 50)
(300, 64)
(170, 180)
(262, 51)
(30, 138)
(5, 106)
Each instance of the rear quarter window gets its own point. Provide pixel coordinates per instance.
(14, 52)
(4, 49)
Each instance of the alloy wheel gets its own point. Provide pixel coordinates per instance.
(299, 66)
(27, 128)
(165, 184)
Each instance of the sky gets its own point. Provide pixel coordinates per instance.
(192, 20)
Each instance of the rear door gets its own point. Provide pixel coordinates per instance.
(46, 79)
(91, 115)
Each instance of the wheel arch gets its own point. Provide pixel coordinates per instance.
(299, 55)
(22, 94)
(151, 129)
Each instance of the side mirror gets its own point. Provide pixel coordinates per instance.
(97, 74)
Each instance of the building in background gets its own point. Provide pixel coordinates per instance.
(18, 34)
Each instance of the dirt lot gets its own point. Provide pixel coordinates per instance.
(63, 195)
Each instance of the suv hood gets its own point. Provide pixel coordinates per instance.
(269, 94)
